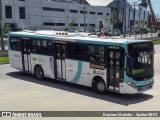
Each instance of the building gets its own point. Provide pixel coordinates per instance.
(118, 13)
(52, 14)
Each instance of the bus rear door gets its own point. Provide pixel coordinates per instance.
(26, 58)
(60, 61)
(115, 68)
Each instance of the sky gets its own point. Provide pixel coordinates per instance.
(155, 4)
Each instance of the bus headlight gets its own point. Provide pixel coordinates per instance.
(131, 84)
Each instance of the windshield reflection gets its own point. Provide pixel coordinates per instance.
(140, 64)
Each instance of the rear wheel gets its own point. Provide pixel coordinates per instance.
(99, 86)
(39, 73)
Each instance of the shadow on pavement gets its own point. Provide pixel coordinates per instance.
(108, 96)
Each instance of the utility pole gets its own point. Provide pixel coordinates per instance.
(124, 35)
(134, 12)
(139, 13)
(118, 15)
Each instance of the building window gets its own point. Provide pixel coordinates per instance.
(81, 25)
(75, 51)
(83, 12)
(75, 24)
(107, 14)
(73, 11)
(21, 0)
(93, 25)
(99, 13)
(49, 24)
(22, 13)
(60, 24)
(53, 9)
(92, 13)
(8, 11)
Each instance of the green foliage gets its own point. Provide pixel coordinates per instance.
(113, 19)
(140, 23)
(4, 60)
(7, 29)
(70, 25)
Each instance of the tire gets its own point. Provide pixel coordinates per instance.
(39, 73)
(99, 86)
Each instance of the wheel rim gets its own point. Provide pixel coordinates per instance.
(100, 86)
(39, 73)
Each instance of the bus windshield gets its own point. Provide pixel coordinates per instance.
(140, 61)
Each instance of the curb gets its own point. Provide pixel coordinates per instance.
(3, 63)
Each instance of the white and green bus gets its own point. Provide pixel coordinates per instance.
(120, 65)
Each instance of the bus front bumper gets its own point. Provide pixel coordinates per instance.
(127, 89)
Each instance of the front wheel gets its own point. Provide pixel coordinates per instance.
(39, 73)
(99, 86)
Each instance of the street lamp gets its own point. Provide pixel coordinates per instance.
(124, 35)
(83, 10)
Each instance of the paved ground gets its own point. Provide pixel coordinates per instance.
(22, 92)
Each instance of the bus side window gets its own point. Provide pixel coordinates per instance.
(75, 51)
(34, 46)
(58, 52)
(15, 43)
(44, 47)
(50, 48)
(95, 54)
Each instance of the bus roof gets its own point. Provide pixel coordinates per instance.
(75, 37)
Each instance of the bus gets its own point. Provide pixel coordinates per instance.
(120, 65)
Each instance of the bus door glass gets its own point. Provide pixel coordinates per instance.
(115, 68)
(60, 61)
(26, 49)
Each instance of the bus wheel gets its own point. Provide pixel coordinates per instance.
(99, 86)
(39, 72)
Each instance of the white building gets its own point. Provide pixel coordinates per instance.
(118, 7)
(48, 14)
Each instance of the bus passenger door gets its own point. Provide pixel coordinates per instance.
(115, 68)
(26, 49)
(60, 61)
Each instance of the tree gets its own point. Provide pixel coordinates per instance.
(7, 29)
(140, 23)
(113, 20)
(70, 25)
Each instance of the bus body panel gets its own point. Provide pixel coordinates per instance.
(15, 58)
(46, 62)
(79, 72)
